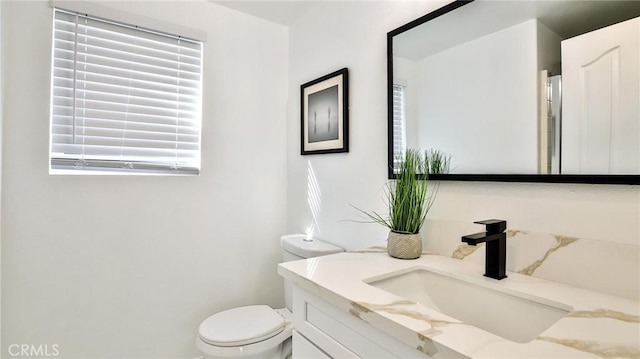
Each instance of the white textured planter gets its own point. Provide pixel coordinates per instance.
(404, 246)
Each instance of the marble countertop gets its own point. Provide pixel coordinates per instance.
(598, 325)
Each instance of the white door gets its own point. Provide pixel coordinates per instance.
(601, 101)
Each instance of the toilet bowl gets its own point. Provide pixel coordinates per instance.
(258, 331)
(254, 331)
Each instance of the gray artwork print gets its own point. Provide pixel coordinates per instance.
(322, 115)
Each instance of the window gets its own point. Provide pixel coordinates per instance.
(124, 99)
(399, 122)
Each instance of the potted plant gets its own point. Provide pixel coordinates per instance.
(437, 161)
(408, 199)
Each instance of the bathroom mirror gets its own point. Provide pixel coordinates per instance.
(478, 80)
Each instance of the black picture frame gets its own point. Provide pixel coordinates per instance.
(324, 114)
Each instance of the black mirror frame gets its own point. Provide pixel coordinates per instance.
(541, 178)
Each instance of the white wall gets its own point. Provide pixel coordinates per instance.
(353, 34)
(549, 56)
(127, 267)
(488, 87)
(332, 36)
(1, 121)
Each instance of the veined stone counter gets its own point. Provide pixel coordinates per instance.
(598, 325)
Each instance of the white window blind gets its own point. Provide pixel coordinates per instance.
(124, 99)
(399, 131)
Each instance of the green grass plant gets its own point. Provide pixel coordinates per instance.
(408, 196)
(437, 162)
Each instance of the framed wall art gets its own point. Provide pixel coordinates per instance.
(324, 118)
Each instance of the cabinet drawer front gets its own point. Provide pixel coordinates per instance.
(324, 341)
(303, 348)
(329, 327)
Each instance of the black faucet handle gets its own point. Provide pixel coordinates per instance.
(494, 226)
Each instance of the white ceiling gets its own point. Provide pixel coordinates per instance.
(567, 18)
(282, 12)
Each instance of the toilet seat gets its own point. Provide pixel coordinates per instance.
(241, 326)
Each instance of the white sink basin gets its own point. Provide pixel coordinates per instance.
(512, 315)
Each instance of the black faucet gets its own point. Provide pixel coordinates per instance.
(496, 258)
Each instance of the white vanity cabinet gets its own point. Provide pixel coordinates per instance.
(322, 330)
(341, 310)
(304, 348)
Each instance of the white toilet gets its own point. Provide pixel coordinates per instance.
(258, 331)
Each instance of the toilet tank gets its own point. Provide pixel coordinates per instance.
(298, 246)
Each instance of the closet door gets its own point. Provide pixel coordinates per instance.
(601, 101)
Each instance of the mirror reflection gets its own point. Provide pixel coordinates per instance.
(522, 87)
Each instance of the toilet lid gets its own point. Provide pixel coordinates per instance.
(241, 326)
